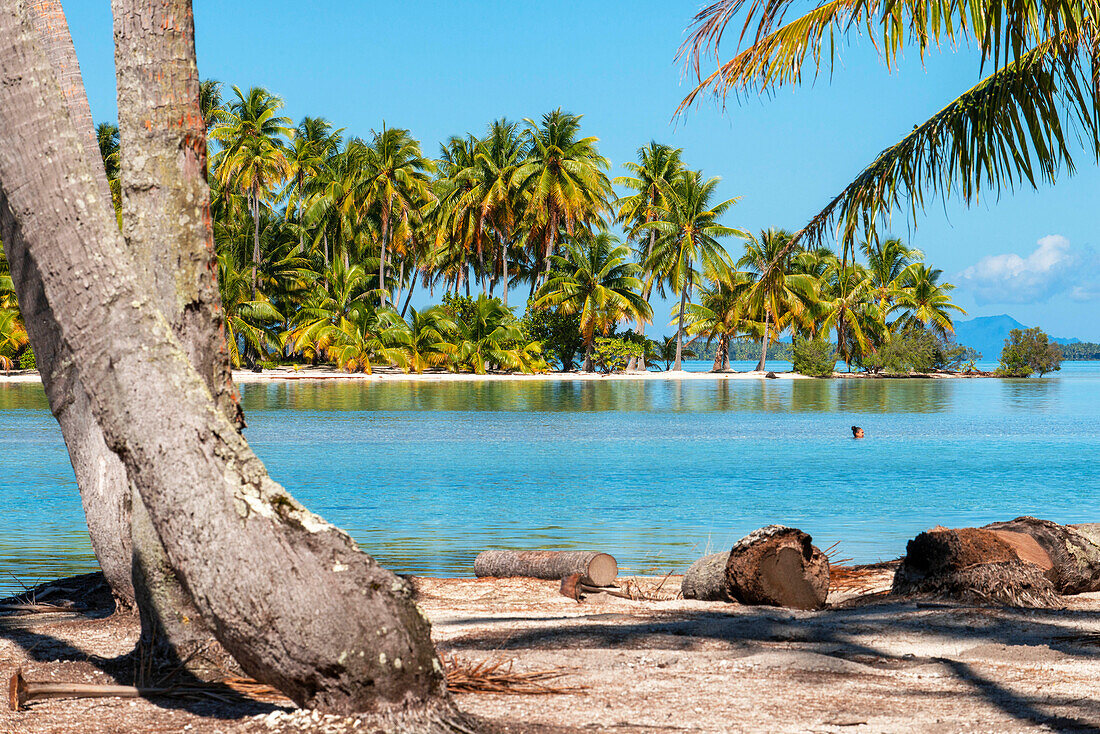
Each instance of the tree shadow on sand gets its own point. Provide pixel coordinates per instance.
(87, 599)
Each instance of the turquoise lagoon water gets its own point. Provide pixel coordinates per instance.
(425, 475)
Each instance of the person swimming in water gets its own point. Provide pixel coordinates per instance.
(857, 432)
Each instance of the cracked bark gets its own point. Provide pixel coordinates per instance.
(291, 597)
(167, 227)
(100, 475)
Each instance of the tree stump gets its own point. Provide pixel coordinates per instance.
(1025, 562)
(778, 566)
(706, 579)
(1072, 552)
(596, 569)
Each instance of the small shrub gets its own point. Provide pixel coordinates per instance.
(612, 354)
(813, 357)
(909, 351)
(27, 361)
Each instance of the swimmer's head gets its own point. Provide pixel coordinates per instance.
(857, 432)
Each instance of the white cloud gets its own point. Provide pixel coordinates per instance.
(1053, 267)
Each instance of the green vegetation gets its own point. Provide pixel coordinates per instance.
(1028, 351)
(813, 357)
(323, 239)
(1080, 351)
(613, 354)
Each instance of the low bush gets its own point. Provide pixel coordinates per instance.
(813, 357)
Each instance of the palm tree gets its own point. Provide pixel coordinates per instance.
(491, 336)
(844, 306)
(499, 198)
(926, 302)
(397, 188)
(1010, 128)
(563, 176)
(657, 166)
(779, 294)
(667, 351)
(106, 134)
(722, 313)
(597, 281)
(337, 303)
(13, 337)
(253, 156)
(311, 149)
(888, 262)
(210, 102)
(250, 323)
(687, 233)
(430, 341)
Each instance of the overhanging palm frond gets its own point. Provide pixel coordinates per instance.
(1015, 126)
(1003, 29)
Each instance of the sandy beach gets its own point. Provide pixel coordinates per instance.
(658, 664)
(388, 374)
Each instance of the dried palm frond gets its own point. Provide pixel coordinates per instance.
(497, 676)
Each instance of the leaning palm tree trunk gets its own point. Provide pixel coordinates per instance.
(100, 474)
(302, 600)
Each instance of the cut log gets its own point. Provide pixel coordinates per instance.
(1072, 553)
(1024, 562)
(706, 579)
(596, 569)
(778, 566)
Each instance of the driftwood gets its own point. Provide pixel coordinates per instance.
(20, 691)
(573, 586)
(1024, 562)
(778, 566)
(706, 579)
(596, 569)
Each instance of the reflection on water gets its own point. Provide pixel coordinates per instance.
(427, 474)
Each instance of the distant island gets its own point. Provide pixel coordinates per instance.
(987, 334)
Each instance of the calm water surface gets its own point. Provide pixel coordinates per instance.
(425, 475)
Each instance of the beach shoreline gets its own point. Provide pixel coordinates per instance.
(287, 374)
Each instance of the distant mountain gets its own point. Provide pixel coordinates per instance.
(987, 334)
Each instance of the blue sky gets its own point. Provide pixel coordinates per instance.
(443, 68)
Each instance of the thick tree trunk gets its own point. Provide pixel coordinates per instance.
(589, 365)
(778, 566)
(706, 579)
(597, 569)
(100, 475)
(291, 597)
(167, 226)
